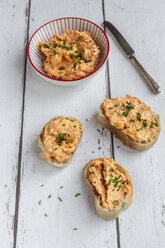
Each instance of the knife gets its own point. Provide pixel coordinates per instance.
(130, 53)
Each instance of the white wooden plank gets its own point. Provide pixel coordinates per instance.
(11, 73)
(142, 23)
(44, 101)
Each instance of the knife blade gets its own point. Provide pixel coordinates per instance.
(130, 53)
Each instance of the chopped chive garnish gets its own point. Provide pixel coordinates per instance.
(49, 196)
(61, 68)
(45, 46)
(60, 138)
(138, 116)
(145, 123)
(77, 194)
(98, 130)
(45, 215)
(59, 199)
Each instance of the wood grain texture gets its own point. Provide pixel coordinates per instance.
(43, 102)
(11, 74)
(142, 24)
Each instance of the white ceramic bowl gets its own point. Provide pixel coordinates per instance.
(45, 32)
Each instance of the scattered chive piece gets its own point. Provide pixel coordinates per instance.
(145, 123)
(42, 185)
(118, 146)
(55, 52)
(98, 130)
(92, 151)
(49, 196)
(138, 116)
(111, 169)
(45, 215)
(86, 119)
(61, 187)
(59, 198)
(75, 126)
(46, 61)
(60, 138)
(154, 123)
(99, 147)
(115, 105)
(139, 129)
(61, 68)
(111, 108)
(56, 149)
(45, 46)
(68, 135)
(63, 125)
(75, 229)
(132, 120)
(77, 194)
(129, 107)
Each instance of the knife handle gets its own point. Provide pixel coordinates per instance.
(153, 85)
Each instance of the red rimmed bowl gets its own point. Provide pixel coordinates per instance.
(45, 32)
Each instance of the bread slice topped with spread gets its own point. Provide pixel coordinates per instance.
(111, 186)
(59, 140)
(131, 120)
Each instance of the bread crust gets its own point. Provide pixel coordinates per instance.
(104, 213)
(124, 138)
(54, 162)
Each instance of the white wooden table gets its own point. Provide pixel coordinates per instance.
(27, 102)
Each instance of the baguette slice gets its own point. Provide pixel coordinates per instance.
(114, 211)
(53, 161)
(125, 138)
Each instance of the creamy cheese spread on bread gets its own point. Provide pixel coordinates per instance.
(134, 118)
(60, 138)
(108, 182)
(70, 56)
